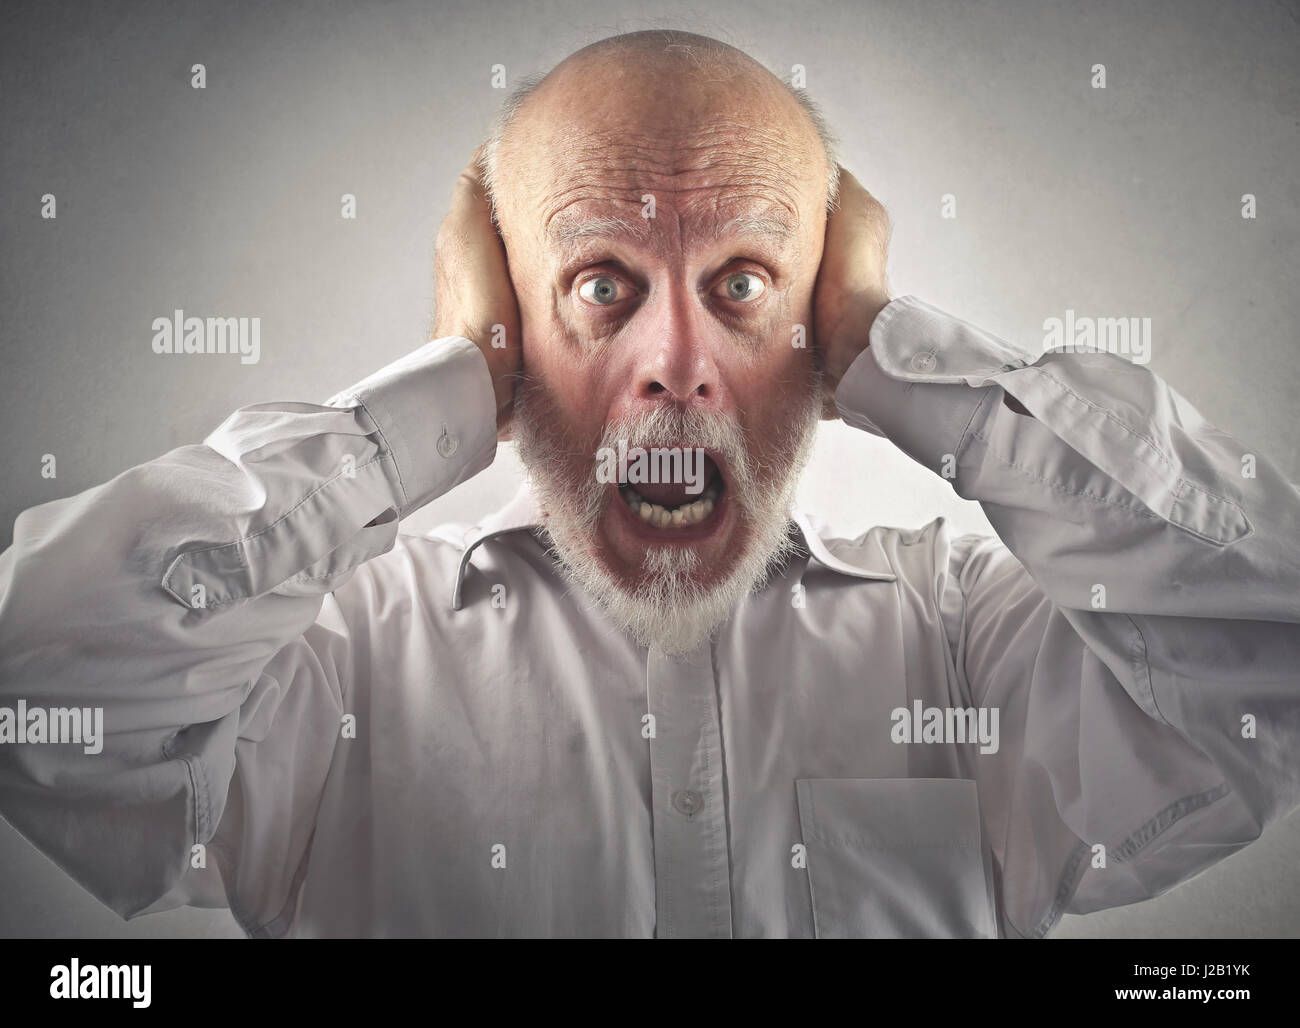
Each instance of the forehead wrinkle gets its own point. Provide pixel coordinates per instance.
(687, 199)
(575, 233)
(563, 232)
(723, 141)
(587, 163)
(725, 181)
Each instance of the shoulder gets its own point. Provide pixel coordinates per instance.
(418, 570)
(935, 569)
(929, 552)
(440, 570)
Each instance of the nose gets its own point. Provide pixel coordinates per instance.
(676, 359)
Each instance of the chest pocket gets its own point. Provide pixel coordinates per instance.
(896, 858)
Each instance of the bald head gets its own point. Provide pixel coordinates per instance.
(657, 81)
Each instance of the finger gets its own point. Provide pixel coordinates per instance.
(855, 198)
(852, 188)
(469, 199)
(858, 233)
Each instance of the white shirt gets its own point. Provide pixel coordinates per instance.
(373, 734)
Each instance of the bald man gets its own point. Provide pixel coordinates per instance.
(649, 698)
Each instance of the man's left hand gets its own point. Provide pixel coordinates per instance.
(851, 288)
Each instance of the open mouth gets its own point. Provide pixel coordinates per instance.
(670, 505)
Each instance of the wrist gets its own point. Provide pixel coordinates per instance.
(501, 362)
(853, 336)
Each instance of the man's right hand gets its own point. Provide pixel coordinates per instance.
(474, 296)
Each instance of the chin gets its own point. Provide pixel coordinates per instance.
(671, 589)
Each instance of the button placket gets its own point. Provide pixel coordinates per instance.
(692, 865)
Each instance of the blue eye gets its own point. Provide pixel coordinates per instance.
(743, 287)
(601, 291)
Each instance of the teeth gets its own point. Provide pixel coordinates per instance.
(661, 517)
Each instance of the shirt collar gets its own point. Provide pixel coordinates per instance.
(860, 558)
(521, 514)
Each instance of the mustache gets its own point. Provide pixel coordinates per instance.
(562, 466)
(671, 425)
(666, 425)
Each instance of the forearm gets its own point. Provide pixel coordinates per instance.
(1112, 480)
(160, 596)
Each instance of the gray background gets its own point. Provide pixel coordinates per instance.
(225, 201)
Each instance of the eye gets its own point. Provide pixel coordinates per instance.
(601, 291)
(743, 287)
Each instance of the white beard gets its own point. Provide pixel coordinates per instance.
(669, 607)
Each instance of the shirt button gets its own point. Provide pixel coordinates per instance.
(687, 801)
(447, 443)
(923, 362)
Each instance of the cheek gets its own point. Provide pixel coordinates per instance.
(776, 393)
(577, 387)
(783, 375)
(783, 336)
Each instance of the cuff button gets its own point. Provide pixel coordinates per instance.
(447, 443)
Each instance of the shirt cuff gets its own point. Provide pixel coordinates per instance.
(436, 412)
(914, 344)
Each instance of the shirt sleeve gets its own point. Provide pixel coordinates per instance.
(1136, 628)
(183, 598)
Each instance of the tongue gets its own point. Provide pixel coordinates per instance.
(674, 494)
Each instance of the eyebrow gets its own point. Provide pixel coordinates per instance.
(758, 225)
(572, 230)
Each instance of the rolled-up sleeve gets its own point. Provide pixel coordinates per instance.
(1137, 626)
